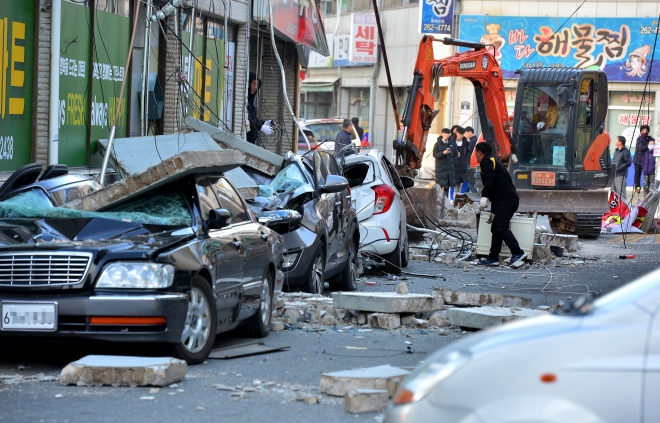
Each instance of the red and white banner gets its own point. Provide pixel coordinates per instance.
(363, 44)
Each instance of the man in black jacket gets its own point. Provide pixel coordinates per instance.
(641, 147)
(360, 131)
(256, 124)
(499, 189)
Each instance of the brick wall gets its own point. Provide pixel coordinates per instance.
(41, 104)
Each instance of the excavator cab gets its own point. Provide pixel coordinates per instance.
(562, 148)
(558, 130)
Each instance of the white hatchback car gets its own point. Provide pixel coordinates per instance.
(598, 362)
(379, 206)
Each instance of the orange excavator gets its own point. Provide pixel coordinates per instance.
(556, 149)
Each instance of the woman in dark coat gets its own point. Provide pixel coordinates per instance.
(444, 153)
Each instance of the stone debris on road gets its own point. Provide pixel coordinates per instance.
(484, 317)
(379, 377)
(366, 400)
(467, 298)
(98, 370)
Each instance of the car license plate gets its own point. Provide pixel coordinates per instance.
(24, 316)
(544, 179)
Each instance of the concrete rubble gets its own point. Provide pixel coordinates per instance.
(384, 377)
(567, 242)
(366, 400)
(487, 316)
(386, 302)
(160, 174)
(467, 298)
(98, 370)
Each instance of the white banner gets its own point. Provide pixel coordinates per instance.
(228, 103)
(363, 38)
(317, 60)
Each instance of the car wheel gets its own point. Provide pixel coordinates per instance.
(314, 283)
(349, 275)
(393, 260)
(405, 254)
(198, 334)
(259, 324)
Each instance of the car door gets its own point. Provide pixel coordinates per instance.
(252, 242)
(327, 206)
(226, 260)
(342, 207)
(398, 201)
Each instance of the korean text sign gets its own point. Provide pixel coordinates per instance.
(363, 46)
(622, 47)
(436, 16)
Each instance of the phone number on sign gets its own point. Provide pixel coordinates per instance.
(648, 30)
(438, 27)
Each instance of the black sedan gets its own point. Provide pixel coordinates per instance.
(176, 264)
(322, 242)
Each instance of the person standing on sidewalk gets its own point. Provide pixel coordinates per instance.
(621, 162)
(444, 153)
(462, 161)
(648, 167)
(499, 189)
(641, 147)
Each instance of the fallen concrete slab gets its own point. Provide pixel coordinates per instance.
(98, 370)
(165, 172)
(131, 156)
(386, 302)
(567, 242)
(384, 377)
(484, 317)
(466, 298)
(366, 400)
(383, 320)
(257, 158)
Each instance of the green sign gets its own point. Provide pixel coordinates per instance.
(16, 82)
(111, 42)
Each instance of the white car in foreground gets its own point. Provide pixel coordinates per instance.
(379, 206)
(598, 363)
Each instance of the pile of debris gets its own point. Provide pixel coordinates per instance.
(399, 310)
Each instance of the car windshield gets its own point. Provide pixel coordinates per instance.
(163, 208)
(288, 179)
(325, 131)
(648, 285)
(542, 127)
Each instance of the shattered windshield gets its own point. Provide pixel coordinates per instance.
(542, 127)
(165, 208)
(288, 179)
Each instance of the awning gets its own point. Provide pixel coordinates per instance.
(319, 85)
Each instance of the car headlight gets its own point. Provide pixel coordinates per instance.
(425, 378)
(136, 275)
(289, 259)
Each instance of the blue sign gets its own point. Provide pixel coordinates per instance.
(622, 47)
(436, 16)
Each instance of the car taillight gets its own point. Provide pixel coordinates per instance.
(384, 198)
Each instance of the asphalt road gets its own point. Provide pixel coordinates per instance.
(311, 353)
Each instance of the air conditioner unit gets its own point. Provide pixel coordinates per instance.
(523, 229)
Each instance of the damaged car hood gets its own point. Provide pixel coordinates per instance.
(91, 232)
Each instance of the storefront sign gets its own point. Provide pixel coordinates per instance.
(622, 47)
(16, 71)
(317, 60)
(363, 46)
(436, 16)
(341, 52)
(107, 72)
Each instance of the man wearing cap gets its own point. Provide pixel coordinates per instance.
(256, 124)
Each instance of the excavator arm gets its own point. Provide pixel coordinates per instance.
(478, 66)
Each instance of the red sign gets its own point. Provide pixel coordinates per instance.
(301, 22)
(543, 179)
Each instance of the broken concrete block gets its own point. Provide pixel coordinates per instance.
(385, 320)
(483, 317)
(437, 320)
(329, 320)
(406, 320)
(366, 400)
(97, 370)
(380, 377)
(567, 242)
(402, 288)
(420, 323)
(466, 298)
(386, 302)
(276, 326)
(362, 318)
(541, 251)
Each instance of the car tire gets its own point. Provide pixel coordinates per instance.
(392, 260)
(199, 331)
(405, 254)
(258, 325)
(315, 283)
(349, 275)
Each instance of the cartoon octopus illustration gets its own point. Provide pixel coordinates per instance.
(636, 61)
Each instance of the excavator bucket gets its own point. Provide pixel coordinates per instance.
(420, 200)
(560, 202)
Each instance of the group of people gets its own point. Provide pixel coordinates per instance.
(643, 160)
(452, 152)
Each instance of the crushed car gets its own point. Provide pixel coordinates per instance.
(308, 203)
(375, 188)
(172, 263)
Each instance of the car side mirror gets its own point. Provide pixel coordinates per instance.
(334, 183)
(281, 221)
(219, 218)
(407, 181)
